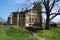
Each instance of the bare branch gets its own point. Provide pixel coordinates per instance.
(48, 1)
(43, 2)
(52, 4)
(43, 12)
(55, 15)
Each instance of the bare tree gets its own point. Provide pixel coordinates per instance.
(49, 5)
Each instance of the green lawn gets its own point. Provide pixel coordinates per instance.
(10, 33)
(18, 33)
(52, 34)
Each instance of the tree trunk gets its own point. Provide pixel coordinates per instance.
(47, 17)
(47, 23)
(41, 20)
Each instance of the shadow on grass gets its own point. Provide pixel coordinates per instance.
(32, 29)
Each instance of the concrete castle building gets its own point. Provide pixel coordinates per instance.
(27, 17)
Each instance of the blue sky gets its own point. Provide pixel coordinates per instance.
(8, 6)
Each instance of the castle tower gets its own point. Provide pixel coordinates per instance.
(38, 8)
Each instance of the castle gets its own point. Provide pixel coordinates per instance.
(27, 17)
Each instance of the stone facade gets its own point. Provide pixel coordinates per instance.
(27, 17)
(17, 18)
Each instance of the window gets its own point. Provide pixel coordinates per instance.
(29, 24)
(32, 20)
(35, 19)
(29, 20)
(34, 11)
(26, 20)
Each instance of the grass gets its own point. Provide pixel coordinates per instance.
(19, 33)
(52, 34)
(10, 33)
